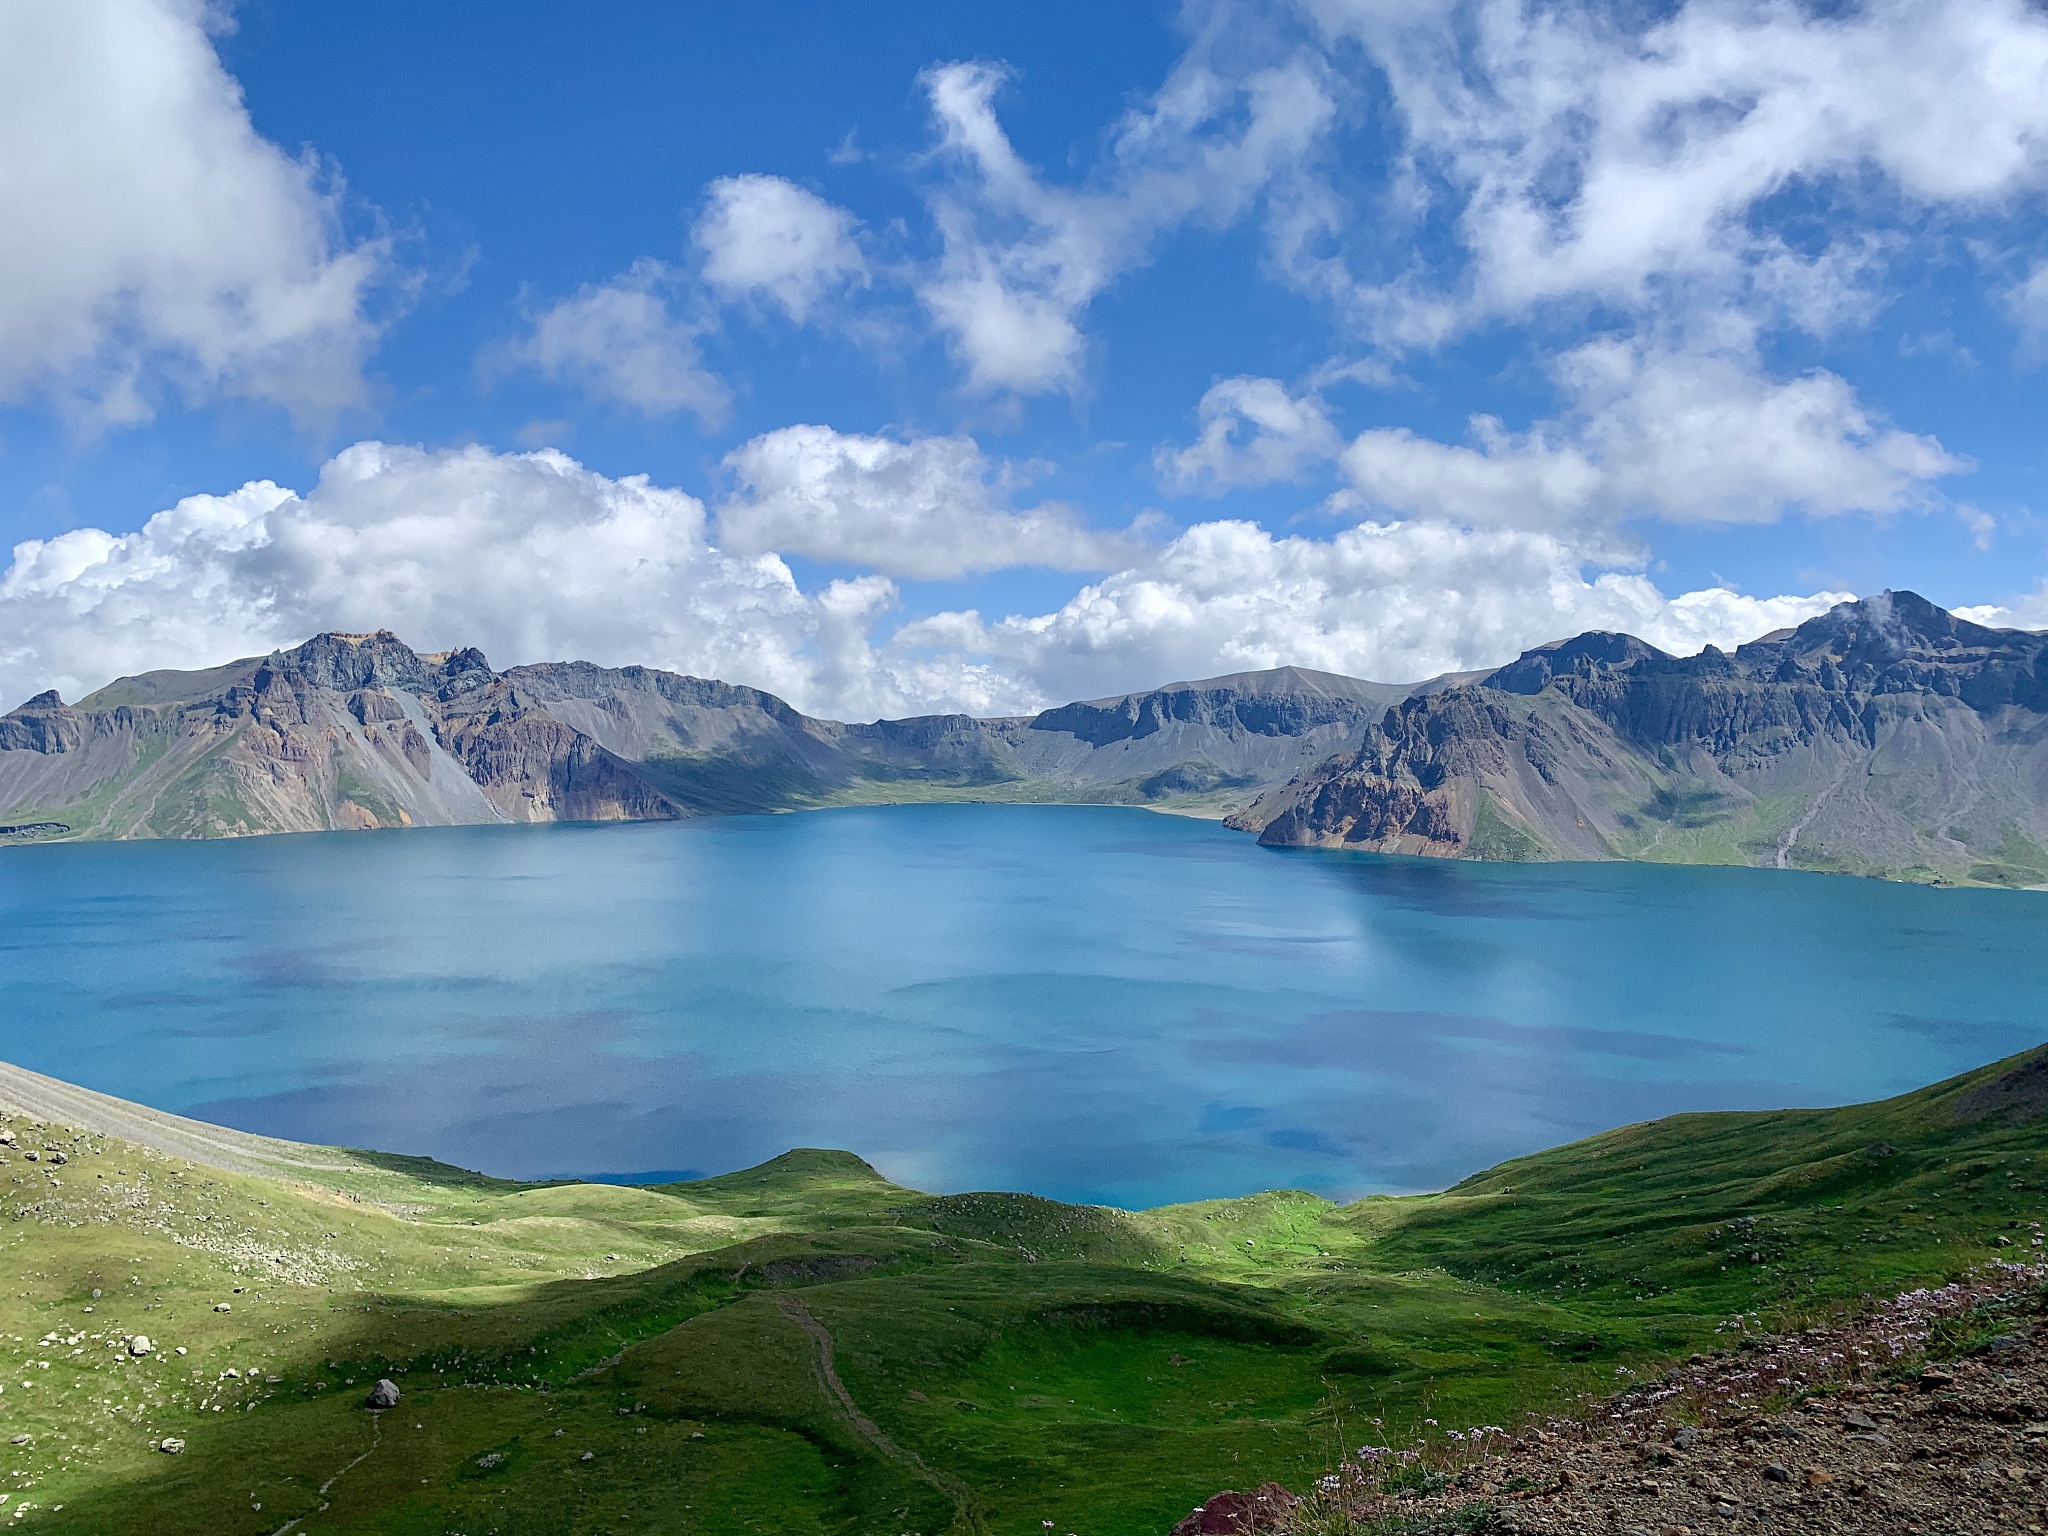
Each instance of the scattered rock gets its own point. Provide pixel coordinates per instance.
(19, 1440)
(140, 1346)
(171, 1447)
(491, 1459)
(223, 1306)
(54, 1157)
(383, 1395)
(1231, 1513)
(1963, 1449)
(588, 1456)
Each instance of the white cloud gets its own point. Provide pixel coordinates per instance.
(150, 237)
(1683, 438)
(1680, 437)
(529, 556)
(620, 341)
(532, 557)
(1682, 157)
(762, 234)
(1253, 433)
(927, 508)
(1394, 602)
(2028, 612)
(1023, 260)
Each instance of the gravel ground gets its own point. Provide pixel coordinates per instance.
(1960, 1449)
(1929, 1414)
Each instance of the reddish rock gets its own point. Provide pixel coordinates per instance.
(1231, 1513)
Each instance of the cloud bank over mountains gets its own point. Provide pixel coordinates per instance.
(532, 557)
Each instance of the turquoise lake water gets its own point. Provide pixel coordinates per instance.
(1089, 1003)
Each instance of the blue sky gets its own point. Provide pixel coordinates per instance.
(931, 357)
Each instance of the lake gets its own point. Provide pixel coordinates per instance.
(1090, 1003)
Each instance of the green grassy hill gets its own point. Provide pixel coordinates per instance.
(805, 1347)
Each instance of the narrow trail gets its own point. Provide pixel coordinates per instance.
(376, 1439)
(828, 1376)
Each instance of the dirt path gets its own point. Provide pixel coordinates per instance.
(828, 1375)
(376, 1439)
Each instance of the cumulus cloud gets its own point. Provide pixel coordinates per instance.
(926, 508)
(1396, 602)
(532, 557)
(151, 238)
(1685, 155)
(529, 556)
(1683, 438)
(2028, 612)
(1023, 259)
(621, 341)
(764, 235)
(1253, 433)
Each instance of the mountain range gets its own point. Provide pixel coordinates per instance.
(1885, 737)
(361, 731)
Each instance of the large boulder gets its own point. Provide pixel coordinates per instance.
(1231, 1513)
(383, 1395)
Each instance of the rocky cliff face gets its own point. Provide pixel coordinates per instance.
(1886, 737)
(360, 731)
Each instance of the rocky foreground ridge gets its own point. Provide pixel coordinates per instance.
(361, 731)
(1885, 737)
(1928, 1413)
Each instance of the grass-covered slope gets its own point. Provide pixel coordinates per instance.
(807, 1347)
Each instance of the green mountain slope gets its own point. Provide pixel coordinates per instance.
(807, 1347)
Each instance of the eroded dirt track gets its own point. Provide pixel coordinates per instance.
(828, 1376)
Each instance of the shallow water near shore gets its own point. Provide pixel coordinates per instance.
(1090, 1003)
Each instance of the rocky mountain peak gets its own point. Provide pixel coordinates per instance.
(1595, 650)
(1887, 626)
(346, 662)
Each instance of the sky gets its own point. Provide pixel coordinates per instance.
(930, 357)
